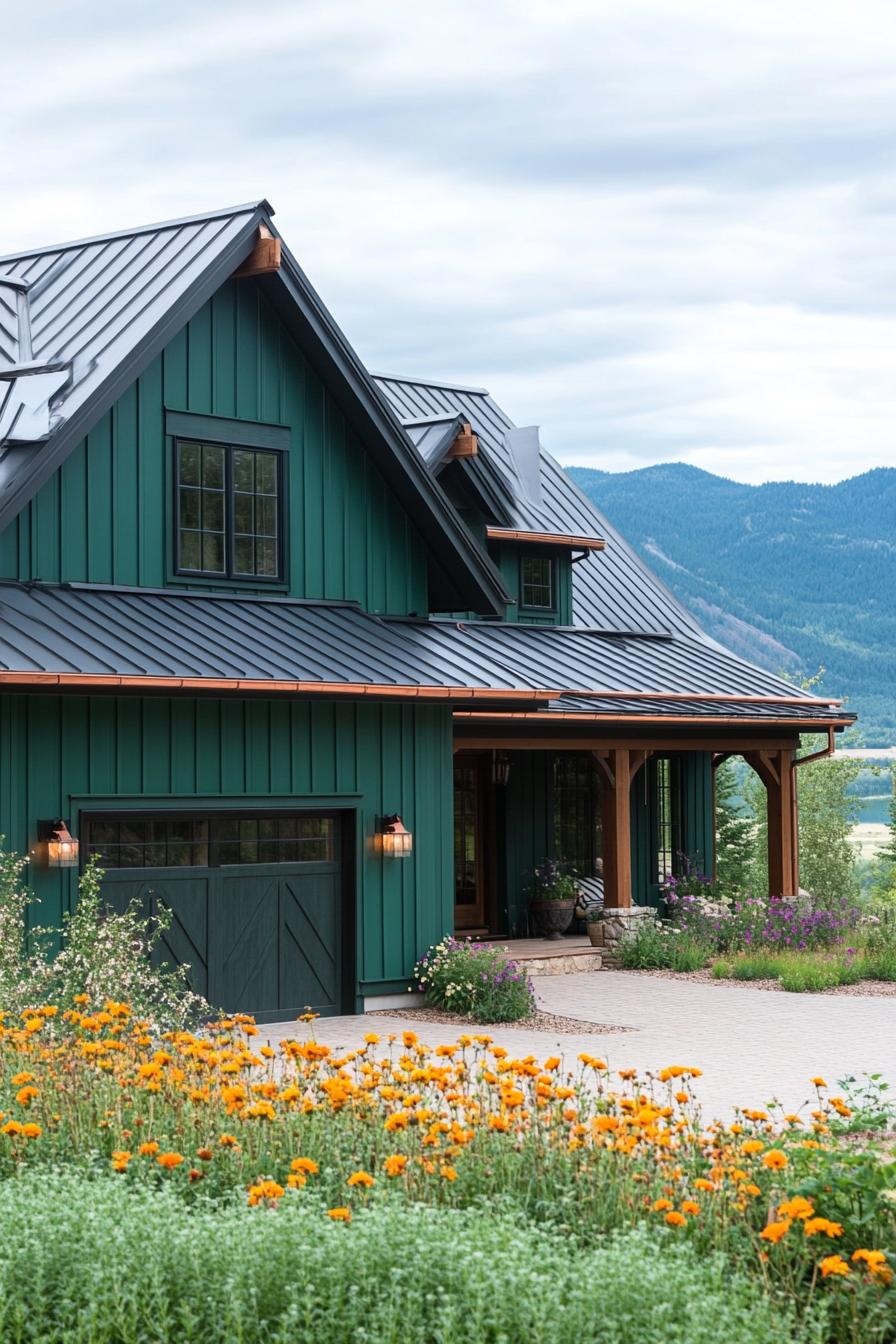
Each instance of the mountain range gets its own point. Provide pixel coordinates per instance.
(794, 577)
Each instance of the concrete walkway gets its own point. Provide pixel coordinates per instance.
(752, 1045)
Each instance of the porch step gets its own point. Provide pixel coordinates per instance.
(545, 956)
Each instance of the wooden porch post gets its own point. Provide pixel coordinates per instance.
(775, 769)
(616, 817)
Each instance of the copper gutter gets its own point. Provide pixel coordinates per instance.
(546, 538)
(86, 680)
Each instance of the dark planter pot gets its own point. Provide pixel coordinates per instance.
(552, 918)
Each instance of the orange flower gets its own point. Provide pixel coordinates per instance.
(398, 1120)
(659, 1205)
(361, 1178)
(690, 1206)
(169, 1160)
(265, 1192)
(448, 1173)
(775, 1231)
(876, 1262)
(797, 1207)
(228, 1141)
(775, 1160)
(194, 1175)
(499, 1122)
(819, 1082)
(675, 1219)
(120, 1160)
(812, 1226)
(395, 1164)
(31, 1131)
(703, 1184)
(833, 1264)
(204, 1154)
(341, 1215)
(752, 1146)
(307, 1165)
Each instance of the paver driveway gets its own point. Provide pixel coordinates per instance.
(752, 1045)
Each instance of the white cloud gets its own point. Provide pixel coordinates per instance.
(661, 230)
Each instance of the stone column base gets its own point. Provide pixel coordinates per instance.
(617, 926)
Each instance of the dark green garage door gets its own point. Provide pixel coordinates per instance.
(256, 902)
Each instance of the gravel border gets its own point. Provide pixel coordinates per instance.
(536, 1021)
(863, 989)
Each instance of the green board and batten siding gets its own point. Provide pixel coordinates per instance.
(105, 517)
(85, 753)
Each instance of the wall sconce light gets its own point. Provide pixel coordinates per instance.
(501, 768)
(397, 840)
(57, 847)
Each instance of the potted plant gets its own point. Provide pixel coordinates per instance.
(594, 927)
(552, 898)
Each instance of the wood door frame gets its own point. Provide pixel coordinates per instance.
(485, 841)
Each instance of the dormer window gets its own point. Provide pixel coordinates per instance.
(228, 511)
(537, 583)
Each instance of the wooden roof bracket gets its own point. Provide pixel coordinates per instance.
(604, 764)
(466, 443)
(264, 257)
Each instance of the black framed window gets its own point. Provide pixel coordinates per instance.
(183, 840)
(537, 582)
(577, 819)
(228, 511)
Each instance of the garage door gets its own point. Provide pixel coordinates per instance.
(256, 902)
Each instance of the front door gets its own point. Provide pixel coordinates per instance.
(470, 799)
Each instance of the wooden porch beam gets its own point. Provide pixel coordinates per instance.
(617, 842)
(602, 743)
(775, 769)
(601, 758)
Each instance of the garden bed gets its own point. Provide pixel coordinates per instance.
(872, 989)
(535, 1021)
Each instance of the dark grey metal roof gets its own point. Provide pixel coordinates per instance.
(97, 311)
(92, 308)
(93, 632)
(704, 709)
(612, 589)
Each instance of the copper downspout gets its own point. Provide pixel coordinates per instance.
(794, 804)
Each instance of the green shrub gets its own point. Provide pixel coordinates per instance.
(657, 946)
(476, 979)
(757, 965)
(105, 954)
(94, 1261)
(801, 973)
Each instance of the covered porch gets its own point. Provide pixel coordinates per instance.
(620, 806)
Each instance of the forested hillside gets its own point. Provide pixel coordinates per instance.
(791, 576)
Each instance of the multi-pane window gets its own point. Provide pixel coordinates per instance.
(537, 582)
(210, 841)
(577, 828)
(665, 840)
(228, 511)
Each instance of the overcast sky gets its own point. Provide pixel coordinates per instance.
(662, 231)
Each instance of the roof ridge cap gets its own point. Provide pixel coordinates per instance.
(245, 208)
(429, 382)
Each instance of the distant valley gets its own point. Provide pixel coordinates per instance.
(792, 576)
